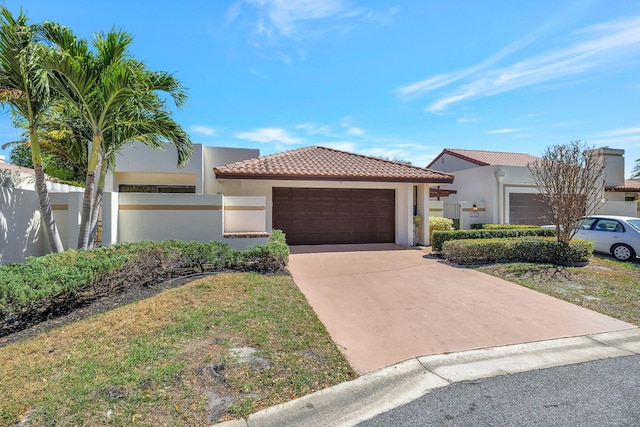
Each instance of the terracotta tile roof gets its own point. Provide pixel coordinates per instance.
(486, 158)
(630, 185)
(326, 164)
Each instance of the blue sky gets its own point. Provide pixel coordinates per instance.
(401, 79)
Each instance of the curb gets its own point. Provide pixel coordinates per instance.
(350, 403)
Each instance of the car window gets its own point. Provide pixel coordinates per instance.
(609, 225)
(635, 223)
(585, 223)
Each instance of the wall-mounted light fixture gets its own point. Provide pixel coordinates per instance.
(474, 208)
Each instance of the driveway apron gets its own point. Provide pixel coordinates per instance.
(385, 303)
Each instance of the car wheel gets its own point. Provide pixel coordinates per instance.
(623, 252)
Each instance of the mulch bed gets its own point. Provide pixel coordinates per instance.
(99, 304)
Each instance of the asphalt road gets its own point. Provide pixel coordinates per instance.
(600, 393)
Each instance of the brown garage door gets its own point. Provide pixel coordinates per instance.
(315, 216)
(528, 209)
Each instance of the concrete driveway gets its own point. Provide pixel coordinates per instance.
(385, 303)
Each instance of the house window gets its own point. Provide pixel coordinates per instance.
(629, 198)
(131, 188)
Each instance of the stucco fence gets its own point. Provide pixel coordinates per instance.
(131, 217)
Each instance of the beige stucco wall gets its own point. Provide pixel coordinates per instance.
(219, 156)
(169, 216)
(614, 165)
(139, 164)
(244, 214)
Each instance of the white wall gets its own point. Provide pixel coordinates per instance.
(21, 231)
(619, 208)
(451, 164)
(489, 186)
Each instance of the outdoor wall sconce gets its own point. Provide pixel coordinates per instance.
(474, 208)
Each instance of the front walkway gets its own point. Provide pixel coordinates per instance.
(385, 303)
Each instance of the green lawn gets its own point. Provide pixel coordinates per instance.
(605, 285)
(169, 359)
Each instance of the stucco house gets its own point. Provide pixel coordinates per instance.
(496, 187)
(316, 195)
(319, 195)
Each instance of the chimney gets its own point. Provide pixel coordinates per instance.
(614, 169)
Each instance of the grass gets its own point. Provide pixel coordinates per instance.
(605, 285)
(165, 360)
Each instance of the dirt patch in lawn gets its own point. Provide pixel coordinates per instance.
(604, 285)
(189, 352)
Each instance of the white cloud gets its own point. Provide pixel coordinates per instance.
(342, 146)
(601, 47)
(268, 135)
(619, 140)
(354, 131)
(272, 18)
(618, 136)
(624, 131)
(506, 130)
(203, 130)
(466, 120)
(314, 129)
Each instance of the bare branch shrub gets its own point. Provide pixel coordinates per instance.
(570, 179)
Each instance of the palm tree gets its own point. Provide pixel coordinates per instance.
(635, 173)
(155, 130)
(116, 97)
(22, 87)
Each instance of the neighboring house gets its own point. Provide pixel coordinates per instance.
(496, 187)
(628, 193)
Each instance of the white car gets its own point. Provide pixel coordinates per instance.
(615, 235)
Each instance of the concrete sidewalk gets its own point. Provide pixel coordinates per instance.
(352, 402)
(385, 303)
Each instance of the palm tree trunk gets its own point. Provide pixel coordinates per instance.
(47, 213)
(89, 193)
(43, 194)
(87, 205)
(94, 216)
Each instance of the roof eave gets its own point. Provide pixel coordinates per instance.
(222, 175)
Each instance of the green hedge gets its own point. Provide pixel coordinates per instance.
(439, 237)
(438, 223)
(482, 226)
(54, 284)
(529, 249)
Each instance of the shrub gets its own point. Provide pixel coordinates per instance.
(58, 283)
(482, 226)
(529, 249)
(438, 223)
(271, 257)
(439, 237)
